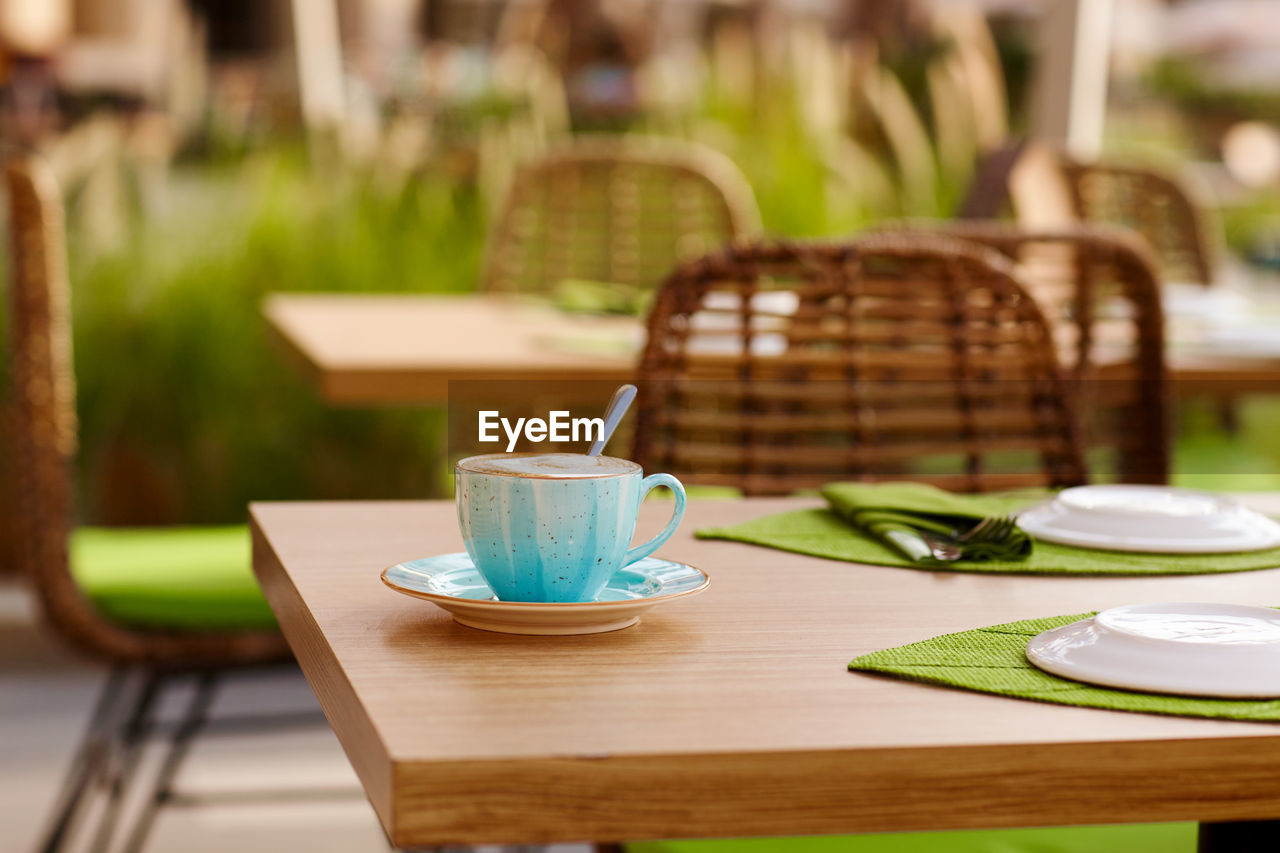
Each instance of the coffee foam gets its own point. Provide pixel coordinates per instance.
(550, 466)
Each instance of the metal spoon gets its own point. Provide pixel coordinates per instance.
(618, 405)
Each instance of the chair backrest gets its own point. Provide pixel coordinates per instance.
(780, 366)
(44, 441)
(1023, 177)
(615, 209)
(1049, 190)
(43, 406)
(988, 192)
(44, 420)
(1098, 289)
(1155, 205)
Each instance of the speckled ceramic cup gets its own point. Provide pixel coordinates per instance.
(555, 526)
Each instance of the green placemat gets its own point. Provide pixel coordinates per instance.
(994, 660)
(823, 533)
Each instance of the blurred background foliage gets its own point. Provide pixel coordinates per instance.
(189, 410)
(179, 382)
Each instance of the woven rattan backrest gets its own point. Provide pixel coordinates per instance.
(1097, 287)
(777, 366)
(44, 442)
(44, 420)
(615, 209)
(1155, 205)
(44, 424)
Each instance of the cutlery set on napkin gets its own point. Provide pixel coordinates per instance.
(927, 525)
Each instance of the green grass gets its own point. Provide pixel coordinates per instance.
(1208, 456)
(187, 408)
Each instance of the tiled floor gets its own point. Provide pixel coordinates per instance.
(283, 790)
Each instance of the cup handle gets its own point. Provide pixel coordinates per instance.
(647, 485)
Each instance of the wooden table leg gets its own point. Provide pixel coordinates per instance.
(1240, 837)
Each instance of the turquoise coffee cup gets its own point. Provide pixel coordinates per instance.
(555, 526)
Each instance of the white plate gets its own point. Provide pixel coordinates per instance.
(1149, 518)
(1221, 650)
(452, 582)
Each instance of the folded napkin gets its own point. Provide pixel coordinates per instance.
(994, 660)
(896, 514)
(827, 532)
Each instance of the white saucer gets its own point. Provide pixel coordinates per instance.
(1221, 650)
(453, 582)
(1154, 519)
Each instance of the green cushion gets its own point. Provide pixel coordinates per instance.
(183, 578)
(1138, 838)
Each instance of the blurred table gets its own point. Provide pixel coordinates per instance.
(730, 713)
(1218, 342)
(1219, 375)
(1222, 341)
(394, 349)
(379, 349)
(1197, 372)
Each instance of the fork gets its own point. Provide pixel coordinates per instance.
(990, 529)
(993, 528)
(942, 548)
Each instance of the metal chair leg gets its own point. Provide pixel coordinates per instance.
(132, 740)
(89, 759)
(1257, 836)
(192, 722)
(121, 724)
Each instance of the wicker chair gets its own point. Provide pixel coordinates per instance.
(1050, 190)
(1154, 204)
(781, 366)
(622, 210)
(1097, 286)
(145, 660)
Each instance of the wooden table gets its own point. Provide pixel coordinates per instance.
(390, 349)
(730, 713)
(382, 349)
